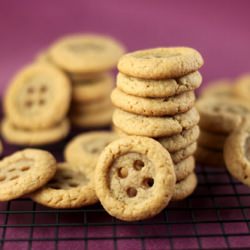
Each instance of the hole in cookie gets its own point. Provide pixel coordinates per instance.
(25, 168)
(122, 172)
(216, 108)
(43, 89)
(30, 90)
(73, 184)
(67, 177)
(41, 102)
(14, 177)
(94, 150)
(11, 170)
(138, 165)
(28, 104)
(131, 192)
(148, 182)
(2, 178)
(55, 187)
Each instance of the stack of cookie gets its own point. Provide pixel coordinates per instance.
(87, 60)
(155, 98)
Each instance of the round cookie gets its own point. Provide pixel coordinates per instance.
(14, 135)
(84, 149)
(236, 153)
(153, 106)
(184, 168)
(154, 126)
(221, 115)
(212, 140)
(92, 90)
(158, 88)
(134, 178)
(241, 87)
(184, 153)
(88, 53)
(185, 188)
(38, 97)
(160, 63)
(25, 171)
(71, 187)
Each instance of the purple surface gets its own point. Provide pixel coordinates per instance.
(218, 29)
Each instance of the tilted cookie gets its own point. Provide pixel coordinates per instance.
(84, 149)
(160, 63)
(184, 168)
(221, 115)
(134, 178)
(237, 153)
(154, 126)
(241, 87)
(24, 172)
(38, 97)
(89, 53)
(71, 187)
(153, 106)
(17, 136)
(158, 88)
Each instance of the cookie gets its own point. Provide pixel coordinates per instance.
(154, 126)
(71, 187)
(92, 89)
(241, 87)
(1, 147)
(184, 168)
(236, 153)
(17, 136)
(98, 119)
(38, 97)
(85, 149)
(184, 153)
(153, 106)
(209, 157)
(24, 172)
(134, 178)
(90, 53)
(221, 115)
(212, 140)
(158, 88)
(185, 188)
(160, 63)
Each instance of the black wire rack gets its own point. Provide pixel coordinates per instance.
(216, 216)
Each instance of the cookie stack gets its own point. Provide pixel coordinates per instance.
(155, 98)
(35, 106)
(87, 60)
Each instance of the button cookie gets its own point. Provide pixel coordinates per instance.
(24, 172)
(17, 136)
(242, 86)
(134, 178)
(158, 88)
(38, 97)
(160, 63)
(154, 126)
(88, 53)
(184, 168)
(221, 115)
(71, 187)
(85, 149)
(185, 188)
(153, 106)
(236, 153)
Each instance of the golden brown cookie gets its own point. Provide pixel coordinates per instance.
(160, 63)
(134, 178)
(86, 53)
(153, 106)
(158, 88)
(84, 149)
(17, 136)
(241, 87)
(38, 97)
(25, 171)
(184, 168)
(71, 187)
(154, 126)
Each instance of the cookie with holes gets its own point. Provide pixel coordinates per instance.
(221, 115)
(38, 97)
(158, 88)
(153, 106)
(236, 153)
(17, 136)
(160, 63)
(134, 178)
(134, 124)
(89, 53)
(71, 187)
(85, 148)
(24, 172)
(184, 168)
